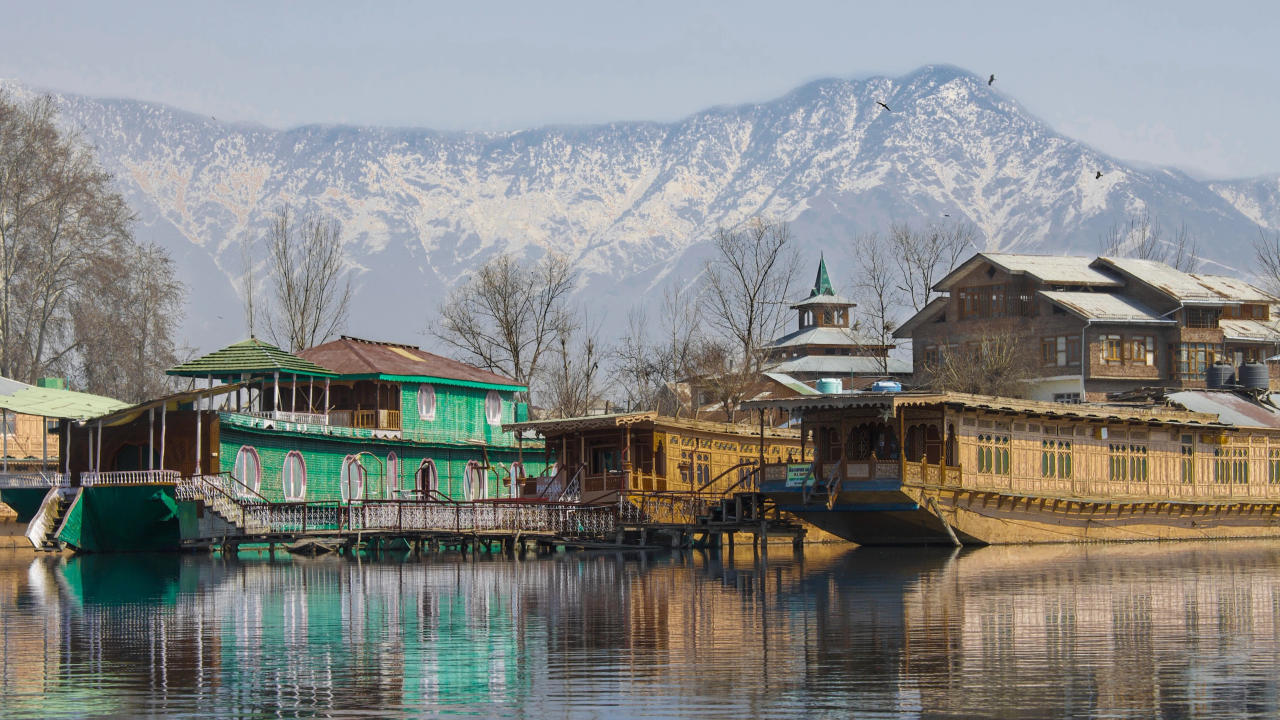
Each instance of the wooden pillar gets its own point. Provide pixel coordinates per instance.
(198, 442)
(164, 409)
(98, 454)
(326, 399)
(293, 394)
(5, 413)
(151, 438)
(44, 443)
(760, 472)
(311, 394)
(275, 377)
(66, 449)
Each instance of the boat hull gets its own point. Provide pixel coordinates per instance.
(122, 518)
(888, 513)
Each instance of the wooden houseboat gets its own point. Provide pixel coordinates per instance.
(948, 468)
(378, 421)
(599, 459)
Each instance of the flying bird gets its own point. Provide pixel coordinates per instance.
(1098, 176)
(886, 107)
(991, 79)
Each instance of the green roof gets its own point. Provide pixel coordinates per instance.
(27, 399)
(822, 283)
(252, 357)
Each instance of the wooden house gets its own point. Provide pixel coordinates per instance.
(597, 458)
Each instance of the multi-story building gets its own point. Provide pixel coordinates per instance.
(1097, 326)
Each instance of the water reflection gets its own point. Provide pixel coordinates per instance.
(1186, 630)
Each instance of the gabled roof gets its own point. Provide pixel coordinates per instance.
(1250, 330)
(927, 313)
(1105, 307)
(1187, 288)
(25, 399)
(1045, 269)
(252, 357)
(1230, 407)
(352, 357)
(841, 365)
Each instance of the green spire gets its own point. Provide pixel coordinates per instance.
(822, 283)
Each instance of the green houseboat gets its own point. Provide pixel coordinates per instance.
(348, 422)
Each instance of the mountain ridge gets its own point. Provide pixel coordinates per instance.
(634, 203)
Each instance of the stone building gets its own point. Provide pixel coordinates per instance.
(1097, 326)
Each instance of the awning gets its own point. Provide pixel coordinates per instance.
(170, 402)
(20, 397)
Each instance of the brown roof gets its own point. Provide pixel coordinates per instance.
(353, 356)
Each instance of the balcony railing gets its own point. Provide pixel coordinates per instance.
(13, 481)
(130, 477)
(289, 416)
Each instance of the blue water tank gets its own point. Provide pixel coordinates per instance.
(886, 386)
(1255, 376)
(1219, 376)
(830, 386)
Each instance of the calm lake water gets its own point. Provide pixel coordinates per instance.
(1171, 630)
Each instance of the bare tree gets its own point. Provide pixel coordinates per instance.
(747, 285)
(125, 323)
(1266, 255)
(714, 370)
(574, 387)
(1142, 237)
(655, 356)
(998, 363)
(879, 297)
(312, 290)
(74, 286)
(506, 317)
(922, 257)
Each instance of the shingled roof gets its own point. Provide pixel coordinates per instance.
(354, 357)
(250, 356)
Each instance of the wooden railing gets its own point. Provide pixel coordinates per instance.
(376, 419)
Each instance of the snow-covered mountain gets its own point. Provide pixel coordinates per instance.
(634, 202)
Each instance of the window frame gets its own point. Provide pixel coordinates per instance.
(427, 402)
(247, 451)
(301, 464)
(493, 407)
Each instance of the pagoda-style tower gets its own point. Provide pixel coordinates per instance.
(825, 344)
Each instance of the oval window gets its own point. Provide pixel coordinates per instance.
(248, 471)
(293, 477)
(352, 483)
(474, 485)
(493, 407)
(425, 479)
(393, 475)
(426, 402)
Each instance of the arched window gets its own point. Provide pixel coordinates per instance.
(248, 470)
(352, 481)
(473, 484)
(425, 481)
(493, 407)
(426, 402)
(293, 477)
(393, 475)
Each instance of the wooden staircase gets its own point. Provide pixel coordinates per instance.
(43, 529)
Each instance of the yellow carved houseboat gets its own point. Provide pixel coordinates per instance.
(597, 459)
(927, 468)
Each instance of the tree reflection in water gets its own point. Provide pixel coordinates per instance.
(1180, 629)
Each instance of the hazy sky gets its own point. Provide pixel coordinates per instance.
(1195, 85)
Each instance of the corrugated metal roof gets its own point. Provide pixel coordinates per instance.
(1231, 408)
(251, 356)
(169, 402)
(1105, 307)
(351, 356)
(791, 383)
(822, 336)
(839, 365)
(1187, 287)
(1249, 330)
(829, 299)
(20, 397)
(1047, 269)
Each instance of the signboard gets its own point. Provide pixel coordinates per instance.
(798, 475)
